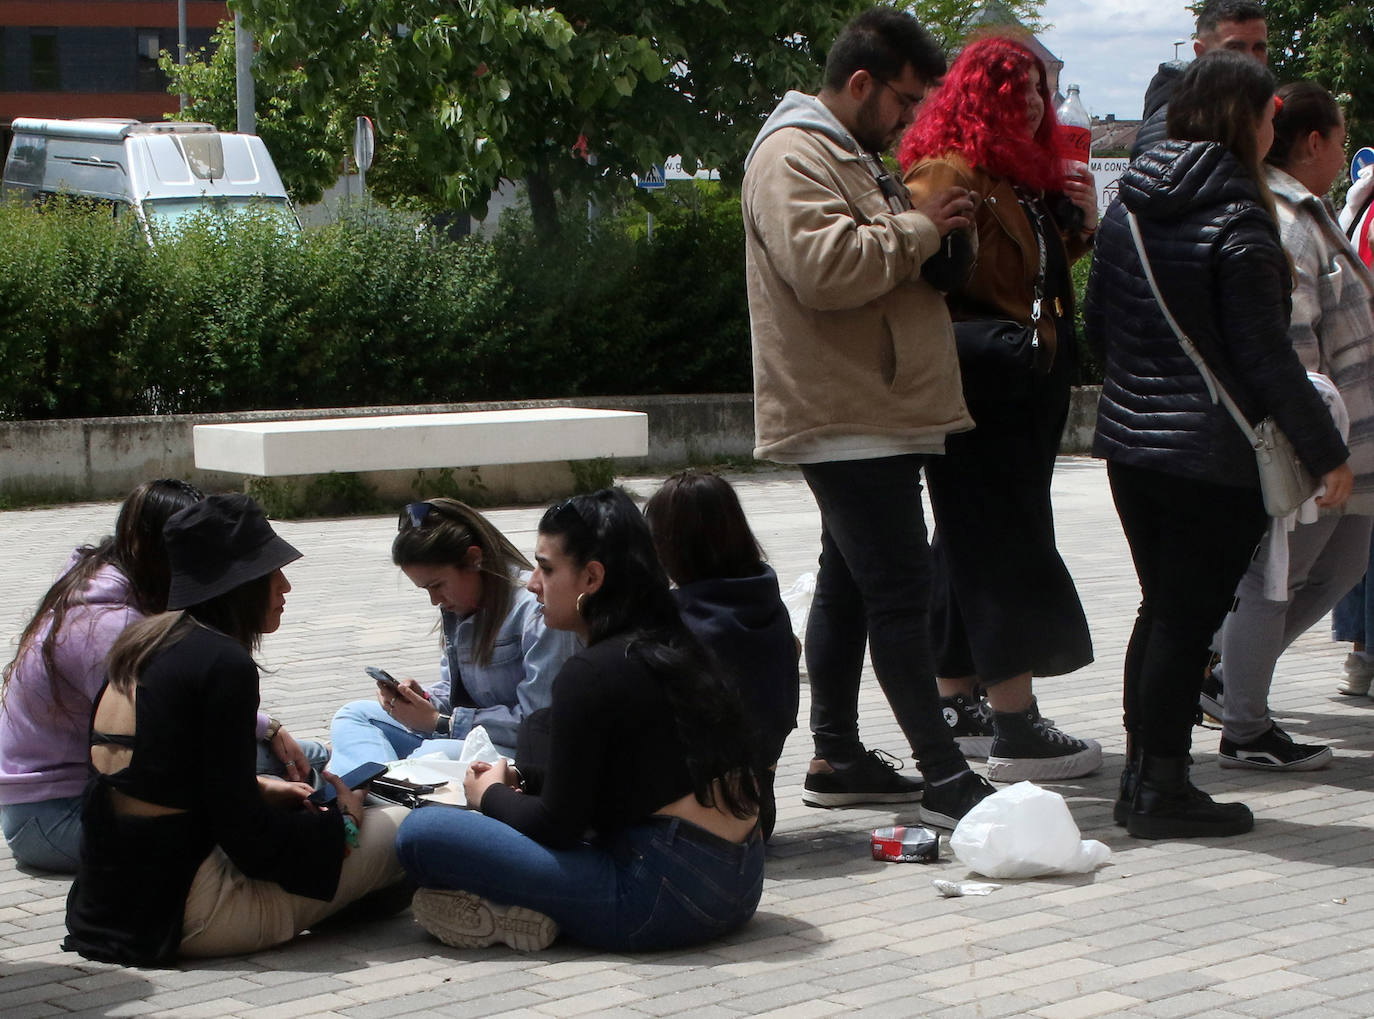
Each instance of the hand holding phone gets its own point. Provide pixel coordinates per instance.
(355, 779)
(384, 678)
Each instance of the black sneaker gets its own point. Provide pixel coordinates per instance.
(1027, 747)
(1213, 696)
(871, 778)
(1274, 751)
(949, 800)
(970, 723)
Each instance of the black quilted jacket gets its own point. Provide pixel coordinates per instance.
(1216, 255)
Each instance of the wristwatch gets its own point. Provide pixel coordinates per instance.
(443, 725)
(273, 727)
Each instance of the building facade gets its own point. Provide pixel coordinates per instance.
(92, 58)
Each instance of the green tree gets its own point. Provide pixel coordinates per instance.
(482, 90)
(951, 20)
(1330, 42)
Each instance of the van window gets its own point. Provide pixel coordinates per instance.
(170, 213)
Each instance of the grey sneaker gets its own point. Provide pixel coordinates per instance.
(465, 920)
(1358, 674)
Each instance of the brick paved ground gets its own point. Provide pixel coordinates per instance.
(1276, 923)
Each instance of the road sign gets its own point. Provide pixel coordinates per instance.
(363, 143)
(1363, 158)
(653, 180)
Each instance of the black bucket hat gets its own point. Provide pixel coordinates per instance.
(216, 545)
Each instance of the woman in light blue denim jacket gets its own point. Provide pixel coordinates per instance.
(499, 659)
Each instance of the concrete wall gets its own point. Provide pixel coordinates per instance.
(102, 458)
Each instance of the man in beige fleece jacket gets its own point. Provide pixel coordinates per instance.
(856, 381)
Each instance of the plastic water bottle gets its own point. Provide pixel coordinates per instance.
(1074, 140)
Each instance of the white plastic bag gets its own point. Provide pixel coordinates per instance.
(1024, 831)
(797, 598)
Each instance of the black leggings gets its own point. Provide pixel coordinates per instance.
(1191, 542)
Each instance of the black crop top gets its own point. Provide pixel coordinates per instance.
(614, 754)
(194, 750)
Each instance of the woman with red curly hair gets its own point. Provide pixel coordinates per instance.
(1004, 607)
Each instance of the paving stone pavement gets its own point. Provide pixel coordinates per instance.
(1274, 923)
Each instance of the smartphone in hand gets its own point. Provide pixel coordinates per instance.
(384, 678)
(355, 779)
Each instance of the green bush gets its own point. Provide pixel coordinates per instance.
(236, 313)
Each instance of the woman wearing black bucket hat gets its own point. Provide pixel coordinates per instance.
(185, 851)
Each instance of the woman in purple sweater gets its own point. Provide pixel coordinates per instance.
(48, 689)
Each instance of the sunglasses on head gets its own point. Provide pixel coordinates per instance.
(414, 515)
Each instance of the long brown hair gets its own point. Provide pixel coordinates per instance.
(439, 532)
(135, 549)
(1220, 98)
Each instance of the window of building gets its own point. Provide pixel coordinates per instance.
(149, 76)
(44, 71)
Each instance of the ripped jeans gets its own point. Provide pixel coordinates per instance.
(661, 883)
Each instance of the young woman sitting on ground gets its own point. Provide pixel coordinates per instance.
(729, 599)
(185, 851)
(643, 833)
(49, 687)
(499, 658)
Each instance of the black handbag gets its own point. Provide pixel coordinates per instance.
(999, 357)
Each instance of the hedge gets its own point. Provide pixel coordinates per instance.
(239, 313)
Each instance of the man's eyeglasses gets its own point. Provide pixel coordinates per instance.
(907, 99)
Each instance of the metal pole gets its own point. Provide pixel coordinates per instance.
(181, 46)
(243, 66)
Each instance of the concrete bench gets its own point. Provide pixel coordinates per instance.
(409, 442)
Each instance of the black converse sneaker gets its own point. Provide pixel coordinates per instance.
(1274, 751)
(948, 800)
(465, 920)
(871, 778)
(970, 723)
(1028, 747)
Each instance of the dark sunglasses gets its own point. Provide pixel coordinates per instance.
(414, 515)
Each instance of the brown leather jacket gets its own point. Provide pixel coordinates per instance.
(1003, 279)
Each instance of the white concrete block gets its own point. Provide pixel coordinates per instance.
(411, 441)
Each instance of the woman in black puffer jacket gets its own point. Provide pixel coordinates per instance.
(1182, 475)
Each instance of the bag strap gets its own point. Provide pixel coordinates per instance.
(1037, 228)
(1215, 389)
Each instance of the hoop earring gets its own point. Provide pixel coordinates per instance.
(578, 604)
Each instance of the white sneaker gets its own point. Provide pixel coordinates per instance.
(465, 920)
(1358, 674)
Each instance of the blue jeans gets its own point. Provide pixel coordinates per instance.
(316, 753)
(662, 883)
(362, 731)
(46, 835)
(873, 589)
(1353, 617)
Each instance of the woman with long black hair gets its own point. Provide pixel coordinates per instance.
(642, 832)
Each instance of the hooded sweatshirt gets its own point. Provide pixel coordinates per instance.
(743, 622)
(43, 747)
(853, 350)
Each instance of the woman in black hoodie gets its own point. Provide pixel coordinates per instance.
(1183, 476)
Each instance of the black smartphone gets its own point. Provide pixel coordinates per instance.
(355, 779)
(383, 678)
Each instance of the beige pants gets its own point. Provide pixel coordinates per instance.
(230, 914)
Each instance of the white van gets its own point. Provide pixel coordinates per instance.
(160, 171)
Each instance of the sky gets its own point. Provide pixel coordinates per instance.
(1111, 48)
